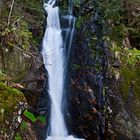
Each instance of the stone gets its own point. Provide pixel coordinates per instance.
(10, 105)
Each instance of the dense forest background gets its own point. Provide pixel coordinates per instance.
(106, 30)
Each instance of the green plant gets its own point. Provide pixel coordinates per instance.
(18, 137)
(79, 22)
(30, 116)
(16, 36)
(132, 56)
(33, 118)
(41, 119)
(23, 125)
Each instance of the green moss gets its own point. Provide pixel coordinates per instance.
(131, 75)
(8, 90)
(9, 98)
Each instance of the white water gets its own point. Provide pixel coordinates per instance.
(70, 31)
(53, 57)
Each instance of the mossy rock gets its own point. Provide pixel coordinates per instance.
(12, 104)
(130, 87)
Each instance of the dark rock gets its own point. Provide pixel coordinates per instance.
(116, 64)
(34, 82)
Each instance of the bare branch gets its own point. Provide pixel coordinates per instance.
(16, 21)
(11, 9)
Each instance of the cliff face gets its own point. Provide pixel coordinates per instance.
(20, 33)
(21, 28)
(88, 68)
(104, 91)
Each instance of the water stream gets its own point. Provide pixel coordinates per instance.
(53, 57)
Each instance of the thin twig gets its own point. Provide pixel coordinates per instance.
(9, 17)
(16, 21)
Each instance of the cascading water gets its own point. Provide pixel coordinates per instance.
(53, 57)
(70, 29)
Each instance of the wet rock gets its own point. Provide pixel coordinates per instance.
(97, 109)
(35, 91)
(87, 119)
(34, 82)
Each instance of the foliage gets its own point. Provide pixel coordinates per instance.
(79, 22)
(131, 77)
(121, 18)
(18, 137)
(20, 35)
(131, 56)
(41, 119)
(34, 118)
(77, 2)
(8, 89)
(23, 125)
(25, 16)
(30, 116)
(16, 36)
(121, 27)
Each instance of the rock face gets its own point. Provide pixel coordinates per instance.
(35, 91)
(26, 132)
(34, 81)
(87, 76)
(124, 120)
(12, 104)
(23, 68)
(97, 108)
(14, 123)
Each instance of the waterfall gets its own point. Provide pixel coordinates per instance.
(53, 57)
(70, 30)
